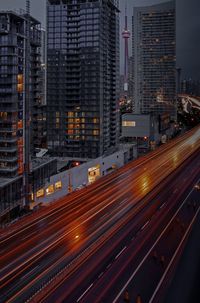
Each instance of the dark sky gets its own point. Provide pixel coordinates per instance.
(188, 28)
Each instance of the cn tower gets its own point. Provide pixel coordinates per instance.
(126, 35)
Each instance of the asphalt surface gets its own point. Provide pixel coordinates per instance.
(185, 286)
(102, 278)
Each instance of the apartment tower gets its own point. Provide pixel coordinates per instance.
(82, 77)
(12, 88)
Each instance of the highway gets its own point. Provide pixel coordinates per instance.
(130, 253)
(59, 241)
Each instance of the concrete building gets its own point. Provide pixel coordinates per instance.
(146, 130)
(77, 177)
(82, 77)
(154, 59)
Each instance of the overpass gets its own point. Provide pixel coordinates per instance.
(189, 101)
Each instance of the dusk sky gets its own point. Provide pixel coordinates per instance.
(188, 28)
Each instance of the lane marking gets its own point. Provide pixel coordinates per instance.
(143, 227)
(120, 252)
(162, 205)
(101, 274)
(151, 249)
(85, 292)
(174, 256)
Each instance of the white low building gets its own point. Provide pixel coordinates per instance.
(77, 177)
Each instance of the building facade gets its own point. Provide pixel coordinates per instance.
(12, 88)
(154, 59)
(82, 77)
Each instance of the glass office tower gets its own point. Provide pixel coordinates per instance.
(154, 58)
(82, 77)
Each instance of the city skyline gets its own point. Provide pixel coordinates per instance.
(187, 31)
(99, 181)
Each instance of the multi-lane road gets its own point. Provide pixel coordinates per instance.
(89, 246)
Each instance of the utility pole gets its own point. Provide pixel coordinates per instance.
(27, 109)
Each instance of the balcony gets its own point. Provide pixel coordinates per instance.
(8, 140)
(7, 91)
(8, 169)
(9, 159)
(8, 149)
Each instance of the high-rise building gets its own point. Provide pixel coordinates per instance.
(154, 59)
(12, 88)
(82, 77)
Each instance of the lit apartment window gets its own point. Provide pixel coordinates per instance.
(40, 193)
(58, 185)
(129, 123)
(20, 88)
(70, 114)
(50, 190)
(20, 79)
(95, 132)
(70, 132)
(95, 120)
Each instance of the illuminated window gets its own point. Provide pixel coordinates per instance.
(129, 123)
(70, 120)
(20, 124)
(95, 120)
(70, 132)
(58, 185)
(20, 79)
(57, 114)
(40, 193)
(70, 114)
(95, 132)
(3, 114)
(50, 190)
(57, 120)
(20, 88)
(71, 126)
